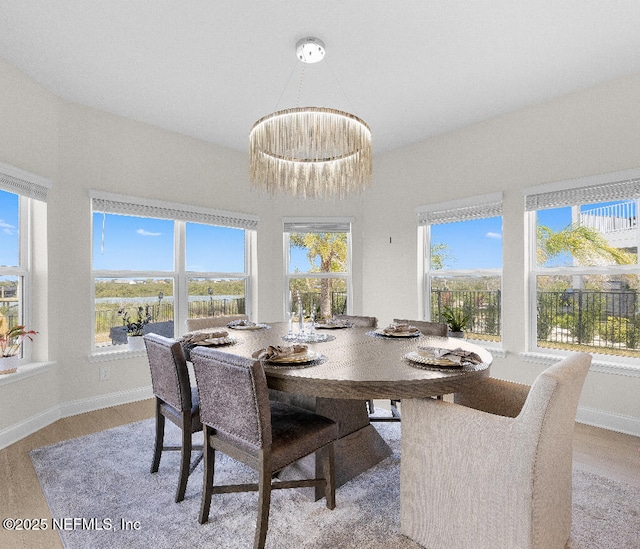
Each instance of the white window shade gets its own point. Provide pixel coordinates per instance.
(126, 205)
(341, 225)
(477, 207)
(23, 183)
(617, 190)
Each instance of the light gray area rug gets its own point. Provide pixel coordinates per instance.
(105, 476)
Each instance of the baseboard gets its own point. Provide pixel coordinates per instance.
(606, 420)
(30, 425)
(75, 407)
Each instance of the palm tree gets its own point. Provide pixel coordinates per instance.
(331, 248)
(585, 244)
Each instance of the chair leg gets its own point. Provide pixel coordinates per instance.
(207, 478)
(370, 407)
(185, 461)
(328, 472)
(157, 451)
(394, 408)
(264, 502)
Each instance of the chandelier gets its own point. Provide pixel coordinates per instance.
(313, 152)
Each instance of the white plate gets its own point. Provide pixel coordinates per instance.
(251, 327)
(217, 341)
(298, 358)
(398, 334)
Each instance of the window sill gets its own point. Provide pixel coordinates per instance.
(25, 371)
(496, 351)
(600, 363)
(110, 356)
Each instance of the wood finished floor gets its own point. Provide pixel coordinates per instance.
(610, 454)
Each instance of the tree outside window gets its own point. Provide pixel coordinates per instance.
(318, 268)
(586, 277)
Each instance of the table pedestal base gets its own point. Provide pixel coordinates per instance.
(358, 448)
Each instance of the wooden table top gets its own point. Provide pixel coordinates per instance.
(360, 365)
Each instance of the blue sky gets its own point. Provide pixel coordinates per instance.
(8, 229)
(473, 244)
(135, 243)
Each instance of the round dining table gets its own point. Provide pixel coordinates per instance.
(350, 366)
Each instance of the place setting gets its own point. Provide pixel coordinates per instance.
(333, 324)
(206, 338)
(243, 324)
(293, 356)
(436, 358)
(396, 330)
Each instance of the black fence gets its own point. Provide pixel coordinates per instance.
(604, 319)
(311, 302)
(482, 307)
(609, 320)
(109, 328)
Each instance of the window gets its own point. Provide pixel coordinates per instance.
(317, 265)
(22, 198)
(462, 262)
(169, 261)
(583, 280)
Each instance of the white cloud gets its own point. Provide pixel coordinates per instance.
(493, 235)
(6, 227)
(142, 232)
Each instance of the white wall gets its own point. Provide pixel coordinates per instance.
(81, 149)
(587, 133)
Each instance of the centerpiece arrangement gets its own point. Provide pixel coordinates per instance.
(10, 342)
(135, 328)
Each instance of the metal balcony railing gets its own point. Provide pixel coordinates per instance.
(612, 218)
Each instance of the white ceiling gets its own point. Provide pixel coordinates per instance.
(410, 68)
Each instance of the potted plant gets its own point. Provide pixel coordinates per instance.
(456, 320)
(10, 343)
(135, 329)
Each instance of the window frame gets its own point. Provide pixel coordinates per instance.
(615, 186)
(29, 188)
(180, 214)
(319, 225)
(476, 207)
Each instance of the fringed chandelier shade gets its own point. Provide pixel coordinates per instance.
(310, 152)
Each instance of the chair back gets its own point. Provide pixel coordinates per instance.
(194, 324)
(360, 321)
(169, 373)
(426, 328)
(234, 398)
(548, 419)
(552, 403)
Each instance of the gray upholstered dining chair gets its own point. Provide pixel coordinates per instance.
(194, 324)
(426, 328)
(364, 322)
(175, 400)
(240, 421)
(495, 469)
(359, 321)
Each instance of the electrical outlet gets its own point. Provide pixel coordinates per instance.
(104, 373)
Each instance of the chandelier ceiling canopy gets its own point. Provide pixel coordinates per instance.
(313, 152)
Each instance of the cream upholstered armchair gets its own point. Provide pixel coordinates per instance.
(495, 471)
